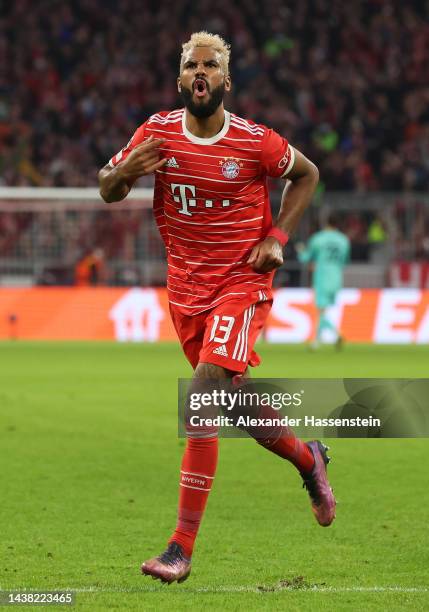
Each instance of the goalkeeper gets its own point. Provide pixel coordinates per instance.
(329, 251)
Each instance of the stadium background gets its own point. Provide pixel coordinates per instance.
(345, 82)
(88, 430)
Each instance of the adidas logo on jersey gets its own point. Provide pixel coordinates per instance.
(172, 163)
(221, 350)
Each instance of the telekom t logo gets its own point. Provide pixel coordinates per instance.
(187, 198)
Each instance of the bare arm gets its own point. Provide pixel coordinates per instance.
(115, 183)
(297, 194)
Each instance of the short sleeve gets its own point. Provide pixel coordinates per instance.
(277, 156)
(136, 139)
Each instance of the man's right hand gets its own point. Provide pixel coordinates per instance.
(143, 159)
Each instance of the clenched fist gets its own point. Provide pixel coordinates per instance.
(266, 256)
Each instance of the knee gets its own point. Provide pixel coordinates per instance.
(211, 371)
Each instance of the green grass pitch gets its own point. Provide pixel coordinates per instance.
(89, 460)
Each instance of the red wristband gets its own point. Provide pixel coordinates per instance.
(277, 233)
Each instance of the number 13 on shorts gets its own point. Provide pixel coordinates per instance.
(225, 329)
(230, 337)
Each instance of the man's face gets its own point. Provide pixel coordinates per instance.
(202, 82)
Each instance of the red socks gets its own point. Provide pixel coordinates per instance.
(282, 441)
(279, 440)
(199, 467)
(196, 478)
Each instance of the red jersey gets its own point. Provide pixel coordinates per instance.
(211, 205)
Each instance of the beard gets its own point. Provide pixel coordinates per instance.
(203, 110)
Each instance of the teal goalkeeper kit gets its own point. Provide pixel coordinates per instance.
(330, 251)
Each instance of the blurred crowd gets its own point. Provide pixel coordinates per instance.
(102, 246)
(83, 247)
(346, 82)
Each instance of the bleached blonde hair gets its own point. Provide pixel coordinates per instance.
(205, 39)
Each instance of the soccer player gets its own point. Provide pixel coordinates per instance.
(329, 250)
(212, 208)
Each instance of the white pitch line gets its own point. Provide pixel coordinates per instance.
(262, 589)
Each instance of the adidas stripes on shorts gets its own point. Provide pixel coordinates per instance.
(225, 335)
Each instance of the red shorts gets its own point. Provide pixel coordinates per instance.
(225, 335)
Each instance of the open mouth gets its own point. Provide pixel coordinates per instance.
(200, 88)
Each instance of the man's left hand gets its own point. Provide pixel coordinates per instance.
(266, 256)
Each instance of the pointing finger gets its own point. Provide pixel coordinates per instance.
(151, 143)
(158, 165)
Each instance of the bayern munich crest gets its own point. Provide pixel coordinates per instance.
(230, 167)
